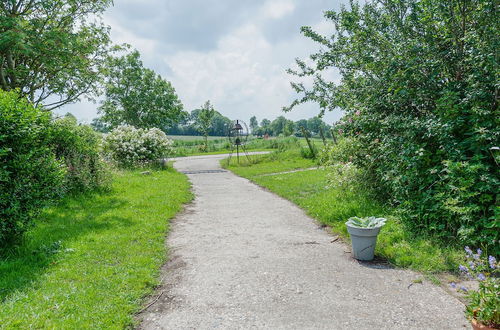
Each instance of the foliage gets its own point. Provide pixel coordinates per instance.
(89, 261)
(204, 120)
(188, 125)
(78, 146)
(129, 146)
(137, 96)
(30, 175)
(339, 158)
(419, 91)
(52, 51)
(254, 124)
(367, 222)
(99, 126)
(484, 303)
(286, 127)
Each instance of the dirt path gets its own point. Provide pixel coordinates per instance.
(241, 258)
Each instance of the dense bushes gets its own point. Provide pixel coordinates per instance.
(129, 146)
(30, 175)
(78, 147)
(41, 159)
(420, 95)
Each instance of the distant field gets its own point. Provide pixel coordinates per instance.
(193, 137)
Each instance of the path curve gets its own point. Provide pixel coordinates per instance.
(242, 257)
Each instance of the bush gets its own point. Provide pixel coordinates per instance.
(30, 175)
(78, 147)
(419, 92)
(129, 146)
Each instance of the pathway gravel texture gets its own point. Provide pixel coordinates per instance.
(242, 257)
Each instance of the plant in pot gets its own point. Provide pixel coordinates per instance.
(483, 306)
(364, 232)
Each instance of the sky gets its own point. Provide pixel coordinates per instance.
(232, 52)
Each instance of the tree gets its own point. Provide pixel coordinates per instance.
(289, 128)
(278, 125)
(314, 124)
(99, 126)
(265, 126)
(52, 51)
(254, 124)
(419, 90)
(137, 96)
(204, 120)
(219, 125)
(299, 124)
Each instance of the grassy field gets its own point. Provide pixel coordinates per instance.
(89, 261)
(194, 145)
(333, 206)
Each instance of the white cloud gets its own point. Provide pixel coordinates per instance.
(277, 9)
(243, 72)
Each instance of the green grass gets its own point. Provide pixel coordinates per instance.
(194, 137)
(194, 145)
(269, 163)
(89, 261)
(224, 151)
(333, 206)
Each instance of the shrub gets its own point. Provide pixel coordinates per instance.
(78, 147)
(30, 175)
(419, 91)
(129, 146)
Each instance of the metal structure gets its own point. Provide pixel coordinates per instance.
(238, 136)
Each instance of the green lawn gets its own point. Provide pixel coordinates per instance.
(89, 261)
(333, 206)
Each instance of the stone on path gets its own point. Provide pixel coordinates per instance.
(242, 257)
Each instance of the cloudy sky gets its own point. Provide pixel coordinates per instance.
(231, 52)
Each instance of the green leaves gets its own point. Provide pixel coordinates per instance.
(50, 51)
(368, 222)
(137, 96)
(419, 93)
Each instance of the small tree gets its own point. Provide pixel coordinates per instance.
(254, 124)
(204, 121)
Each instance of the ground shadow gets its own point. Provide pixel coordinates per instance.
(21, 265)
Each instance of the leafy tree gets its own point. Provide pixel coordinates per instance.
(419, 89)
(99, 126)
(314, 124)
(265, 122)
(219, 125)
(278, 125)
(265, 126)
(289, 128)
(138, 96)
(254, 124)
(204, 120)
(52, 51)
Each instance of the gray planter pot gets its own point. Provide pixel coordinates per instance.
(363, 241)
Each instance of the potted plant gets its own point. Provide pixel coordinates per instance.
(364, 232)
(483, 306)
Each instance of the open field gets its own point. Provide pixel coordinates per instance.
(194, 145)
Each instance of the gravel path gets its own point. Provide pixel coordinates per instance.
(242, 257)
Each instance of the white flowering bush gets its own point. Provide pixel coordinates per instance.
(129, 146)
